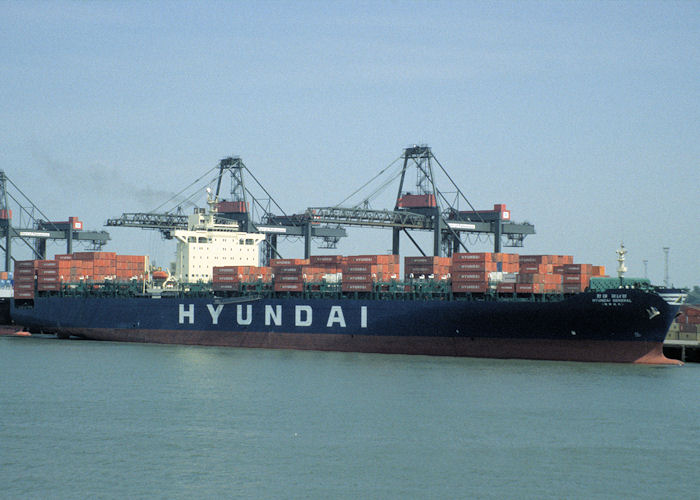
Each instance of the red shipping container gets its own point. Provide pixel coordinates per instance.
(485, 266)
(529, 288)
(470, 276)
(289, 287)
(288, 269)
(530, 278)
(49, 287)
(356, 287)
(535, 259)
(24, 295)
(465, 257)
(289, 278)
(373, 259)
(418, 260)
(573, 288)
(474, 266)
(19, 285)
(326, 259)
(226, 278)
(505, 288)
(540, 278)
(469, 287)
(357, 277)
(288, 262)
(226, 270)
(578, 268)
(94, 255)
(576, 278)
(24, 273)
(25, 264)
(427, 259)
(358, 268)
(535, 268)
(48, 279)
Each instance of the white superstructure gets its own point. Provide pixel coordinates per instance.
(207, 243)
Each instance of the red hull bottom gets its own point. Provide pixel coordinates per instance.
(13, 331)
(542, 349)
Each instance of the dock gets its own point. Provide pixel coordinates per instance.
(685, 350)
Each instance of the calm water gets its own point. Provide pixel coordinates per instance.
(86, 419)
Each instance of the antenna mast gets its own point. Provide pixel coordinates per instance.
(621, 268)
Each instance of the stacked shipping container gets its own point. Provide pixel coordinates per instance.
(99, 266)
(577, 277)
(25, 272)
(361, 271)
(687, 324)
(47, 278)
(48, 275)
(225, 278)
(288, 274)
(427, 267)
(537, 274)
(470, 272)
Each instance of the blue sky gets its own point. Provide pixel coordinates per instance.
(584, 118)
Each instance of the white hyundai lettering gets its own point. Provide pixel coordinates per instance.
(189, 314)
(363, 317)
(248, 314)
(273, 315)
(298, 321)
(215, 313)
(336, 316)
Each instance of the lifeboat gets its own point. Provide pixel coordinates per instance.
(159, 275)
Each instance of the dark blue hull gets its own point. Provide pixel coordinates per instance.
(626, 326)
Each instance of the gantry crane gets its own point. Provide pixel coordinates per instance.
(425, 209)
(33, 227)
(253, 213)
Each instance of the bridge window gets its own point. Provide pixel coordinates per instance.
(191, 239)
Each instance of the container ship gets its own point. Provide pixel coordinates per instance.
(490, 304)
